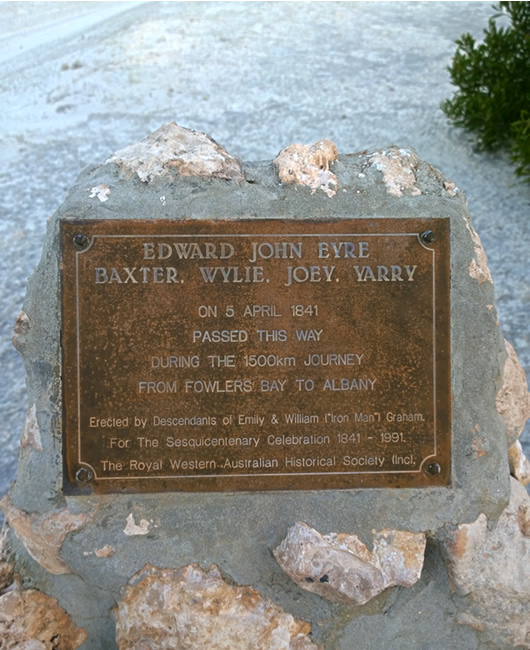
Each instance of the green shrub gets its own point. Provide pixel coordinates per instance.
(493, 78)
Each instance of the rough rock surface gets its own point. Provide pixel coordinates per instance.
(132, 528)
(513, 399)
(492, 568)
(519, 463)
(398, 167)
(43, 535)
(85, 79)
(6, 567)
(340, 567)
(478, 267)
(171, 146)
(172, 529)
(20, 330)
(6, 575)
(308, 164)
(189, 608)
(31, 432)
(31, 620)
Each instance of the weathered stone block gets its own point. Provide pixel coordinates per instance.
(84, 548)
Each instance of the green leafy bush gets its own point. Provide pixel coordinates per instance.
(493, 78)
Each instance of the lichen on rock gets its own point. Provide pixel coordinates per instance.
(189, 608)
(308, 164)
(340, 567)
(172, 147)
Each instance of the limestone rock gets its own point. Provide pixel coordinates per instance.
(100, 192)
(513, 399)
(478, 267)
(6, 575)
(132, 528)
(519, 463)
(20, 331)
(171, 146)
(492, 568)
(31, 620)
(31, 433)
(43, 535)
(103, 552)
(398, 167)
(308, 165)
(189, 608)
(6, 568)
(340, 567)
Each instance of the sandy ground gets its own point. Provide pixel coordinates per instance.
(80, 80)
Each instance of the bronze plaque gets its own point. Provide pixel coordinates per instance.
(255, 355)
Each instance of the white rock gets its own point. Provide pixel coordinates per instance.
(398, 167)
(340, 567)
(519, 463)
(308, 164)
(190, 153)
(513, 399)
(189, 608)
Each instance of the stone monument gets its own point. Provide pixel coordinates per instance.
(270, 407)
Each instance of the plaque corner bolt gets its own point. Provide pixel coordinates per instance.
(428, 237)
(83, 475)
(433, 469)
(80, 240)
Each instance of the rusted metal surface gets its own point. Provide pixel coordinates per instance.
(255, 355)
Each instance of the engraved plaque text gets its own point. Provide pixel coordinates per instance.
(255, 355)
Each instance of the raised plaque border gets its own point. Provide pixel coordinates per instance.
(435, 469)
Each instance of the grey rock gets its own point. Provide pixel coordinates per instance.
(90, 545)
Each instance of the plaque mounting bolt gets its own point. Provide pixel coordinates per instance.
(80, 241)
(83, 475)
(433, 469)
(428, 237)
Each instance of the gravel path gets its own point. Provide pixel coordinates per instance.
(80, 80)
